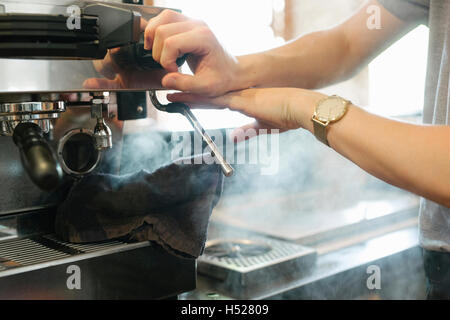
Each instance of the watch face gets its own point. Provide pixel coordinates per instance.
(331, 109)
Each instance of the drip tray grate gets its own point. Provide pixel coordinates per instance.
(242, 265)
(35, 250)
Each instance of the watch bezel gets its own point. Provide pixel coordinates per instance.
(339, 116)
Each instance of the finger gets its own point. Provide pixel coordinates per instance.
(106, 67)
(197, 42)
(234, 100)
(246, 102)
(100, 83)
(164, 32)
(194, 101)
(186, 83)
(165, 17)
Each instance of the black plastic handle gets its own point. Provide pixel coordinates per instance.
(137, 57)
(37, 156)
(145, 59)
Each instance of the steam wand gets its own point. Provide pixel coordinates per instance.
(186, 111)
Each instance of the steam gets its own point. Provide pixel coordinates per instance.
(282, 181)
(148, 150)
(314, 190)
(312, 179)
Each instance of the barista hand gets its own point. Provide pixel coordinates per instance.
(273, 108)
(171, 35)
(399, 153)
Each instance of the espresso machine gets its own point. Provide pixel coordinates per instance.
(55, 127)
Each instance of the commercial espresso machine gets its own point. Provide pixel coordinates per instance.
(54, 127)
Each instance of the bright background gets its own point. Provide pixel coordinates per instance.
(393, 83)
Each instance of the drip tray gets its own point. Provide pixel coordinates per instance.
(239, 266)
(30, 253)
(37, 267)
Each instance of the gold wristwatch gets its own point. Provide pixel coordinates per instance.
(328, 110)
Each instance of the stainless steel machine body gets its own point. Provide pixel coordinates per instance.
(52, 126)
(56, 76)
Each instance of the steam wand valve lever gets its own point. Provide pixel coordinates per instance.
(184, 109)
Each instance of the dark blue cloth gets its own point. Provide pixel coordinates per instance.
(170, 206)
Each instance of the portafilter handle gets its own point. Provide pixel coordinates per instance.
(37, 156)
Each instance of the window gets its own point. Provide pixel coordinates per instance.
(397, 76)
(243, 27)
(315, 191)
(392, 85)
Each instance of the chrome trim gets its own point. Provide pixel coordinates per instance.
(59, 259)
(32, 107)
(61, 145)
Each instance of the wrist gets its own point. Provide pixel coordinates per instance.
(247, 72)
(304, 103)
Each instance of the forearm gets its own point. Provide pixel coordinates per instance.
(412, 157)
(312, 61)
(325, 57)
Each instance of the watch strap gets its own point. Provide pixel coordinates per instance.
(320, 131)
